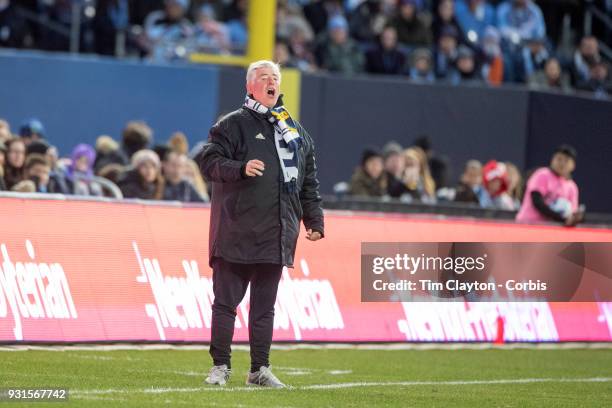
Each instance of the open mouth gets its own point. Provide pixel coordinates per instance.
(271, 91)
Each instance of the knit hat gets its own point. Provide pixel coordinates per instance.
(368, 154)
(464, 52)
(391, 148)
(494, 170)
(337, 22)
(30, 127)
(144, 156)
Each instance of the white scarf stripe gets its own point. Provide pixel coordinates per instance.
(288, 158)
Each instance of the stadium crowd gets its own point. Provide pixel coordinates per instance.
(426, 41)
(422, 175)
(28, 164)
(453, 41)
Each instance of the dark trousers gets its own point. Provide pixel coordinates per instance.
(230, 281)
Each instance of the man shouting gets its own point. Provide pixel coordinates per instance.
(262, 167)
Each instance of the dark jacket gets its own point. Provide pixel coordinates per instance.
(365, 186)
(182, 191)
(132, 186)
(381, 61)
(413, 33)
(253, 220)
(465, 194)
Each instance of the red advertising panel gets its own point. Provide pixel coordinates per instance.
(104, 271)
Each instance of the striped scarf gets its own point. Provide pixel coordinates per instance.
(286, 139)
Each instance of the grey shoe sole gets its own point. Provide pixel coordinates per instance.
(207, 381)
(250, 384)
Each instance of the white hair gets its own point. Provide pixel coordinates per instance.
(262, 64)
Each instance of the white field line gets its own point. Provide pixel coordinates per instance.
(316, 346)
(79, 393)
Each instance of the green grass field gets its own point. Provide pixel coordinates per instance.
(322, 378)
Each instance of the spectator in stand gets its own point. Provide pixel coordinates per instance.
(5, 131)
(474, 17)
(515, 184)
(422, 70)
(599, 81)
(340, 53)
(176, 188)
(52, 156)
(493, 64)
(495, 180)
(57, 179)
(137, 135)
(395, 164)
(211, 35)
(466, 73)
(289, 18)
(108, 152)
(178, 143)
(551, 78)
(2, 162)
(520, 20)
(194, 177)
(369, 179)
(367, 21)
(445, 53)
(144, 179)
(437, 164)
(168, 30)
(112, 17)
(302, 55)
(14, 32)
(236, 15)
(417, 183)
(551, 194)
(80, 173)
(30, 130)
(412, 31)
(386, 58)
(282, 56)
(584, 58)
(533, 58)
(445, 17)
(319, 12)
(37, 170)
(470, 188)
(15, 160)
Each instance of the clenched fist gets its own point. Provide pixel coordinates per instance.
(254, 168)
(313, 235)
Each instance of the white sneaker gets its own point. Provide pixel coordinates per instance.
(218, 375)
(264, 378)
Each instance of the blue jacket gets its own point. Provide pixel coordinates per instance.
(474, 22)
(527, 22)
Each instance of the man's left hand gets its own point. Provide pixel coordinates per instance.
(313, 235)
